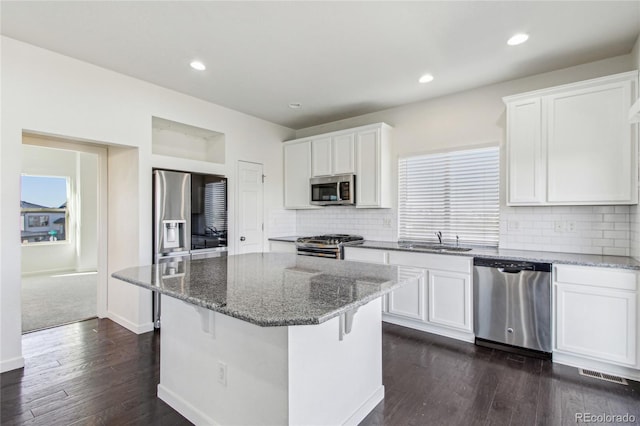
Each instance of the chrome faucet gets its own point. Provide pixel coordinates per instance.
(439, 235)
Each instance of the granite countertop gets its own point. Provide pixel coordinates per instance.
(285, 239)
(272, 289)
(623, 262)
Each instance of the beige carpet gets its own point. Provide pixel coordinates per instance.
(56, 299)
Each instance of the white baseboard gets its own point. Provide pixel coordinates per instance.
(136, 328)
(602, 367)
(429, 328)
(192, 414)
(364, 410)
(11, 364)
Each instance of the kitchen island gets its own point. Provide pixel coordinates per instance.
(271, 338)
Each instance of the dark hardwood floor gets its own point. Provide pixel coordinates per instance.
(93, 372)
(433, 380)
(98, 373)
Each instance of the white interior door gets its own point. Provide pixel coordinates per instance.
(250, 208)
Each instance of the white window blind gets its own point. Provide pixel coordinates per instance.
(454, 192)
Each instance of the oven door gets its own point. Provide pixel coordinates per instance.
(333, 253)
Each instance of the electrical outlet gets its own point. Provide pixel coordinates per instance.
(222, 373)
(571, 226)
(386, 222)
(513, 225)
(558, 226)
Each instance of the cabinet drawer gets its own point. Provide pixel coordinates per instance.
(365, 255)
(600, 277)
(432, 261)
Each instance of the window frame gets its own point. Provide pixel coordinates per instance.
(27, 212)
(449, 235)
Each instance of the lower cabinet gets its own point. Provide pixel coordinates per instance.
(440, 302)
(450, 299)
(596, 317)
(409, 301)
(282, 247)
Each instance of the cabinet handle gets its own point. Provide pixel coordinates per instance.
(242, 238)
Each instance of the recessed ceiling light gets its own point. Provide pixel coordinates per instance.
(295, 105)
(518, 39)
(426, 78)
(197, 65)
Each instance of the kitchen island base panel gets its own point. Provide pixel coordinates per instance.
(274, 375)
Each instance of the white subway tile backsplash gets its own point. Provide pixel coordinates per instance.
(577, 229)
(616, 234)
(372, 224)
(616, 217)
(611, 230)
(615, 251)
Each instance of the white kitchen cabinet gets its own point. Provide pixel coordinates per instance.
(595, 315)
(282, 247)
(343, 154)
(524, 150)
(409, 301)
(364, 151)
(450, 299)
(440, 302)
(321, 157)
(573, 144)
(358, 254)
(333, 155)
(373, 168)
(297, 171)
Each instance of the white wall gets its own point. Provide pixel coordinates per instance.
(635, 211)
(87, 249)
(474, 117)
(47, 93)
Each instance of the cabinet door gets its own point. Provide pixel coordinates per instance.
(344, 154)
(590, 148)
(408, 301)
(450, 299)
(596, 322)
(297, 171)
(321, 157)
(525, 161)
(366, 255)
(282, 247)
(368, 168)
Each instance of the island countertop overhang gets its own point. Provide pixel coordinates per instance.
(272, 289)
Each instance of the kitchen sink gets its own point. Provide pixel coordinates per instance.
(432, 247)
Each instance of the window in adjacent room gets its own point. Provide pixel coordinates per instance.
(43, 209)
(455, 192)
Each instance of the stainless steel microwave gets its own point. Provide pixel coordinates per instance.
(333, 190)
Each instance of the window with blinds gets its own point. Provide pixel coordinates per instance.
(455, 192)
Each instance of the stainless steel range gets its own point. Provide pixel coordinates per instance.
(330, 245)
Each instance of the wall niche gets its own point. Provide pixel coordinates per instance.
(179, 140)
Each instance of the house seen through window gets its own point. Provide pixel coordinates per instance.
(43, 209)
(455, 192)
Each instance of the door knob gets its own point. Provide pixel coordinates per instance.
(242, 238)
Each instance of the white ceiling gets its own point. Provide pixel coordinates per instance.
(339, 59)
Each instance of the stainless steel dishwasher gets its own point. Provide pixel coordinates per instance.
(512, 305)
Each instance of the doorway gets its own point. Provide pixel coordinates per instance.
(250, 207)
(63, 263)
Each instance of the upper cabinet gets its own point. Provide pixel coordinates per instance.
(573, 144)
(333, 155)
(297, 171)
(364, 151)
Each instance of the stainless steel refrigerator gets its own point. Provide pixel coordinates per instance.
(189, 222)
